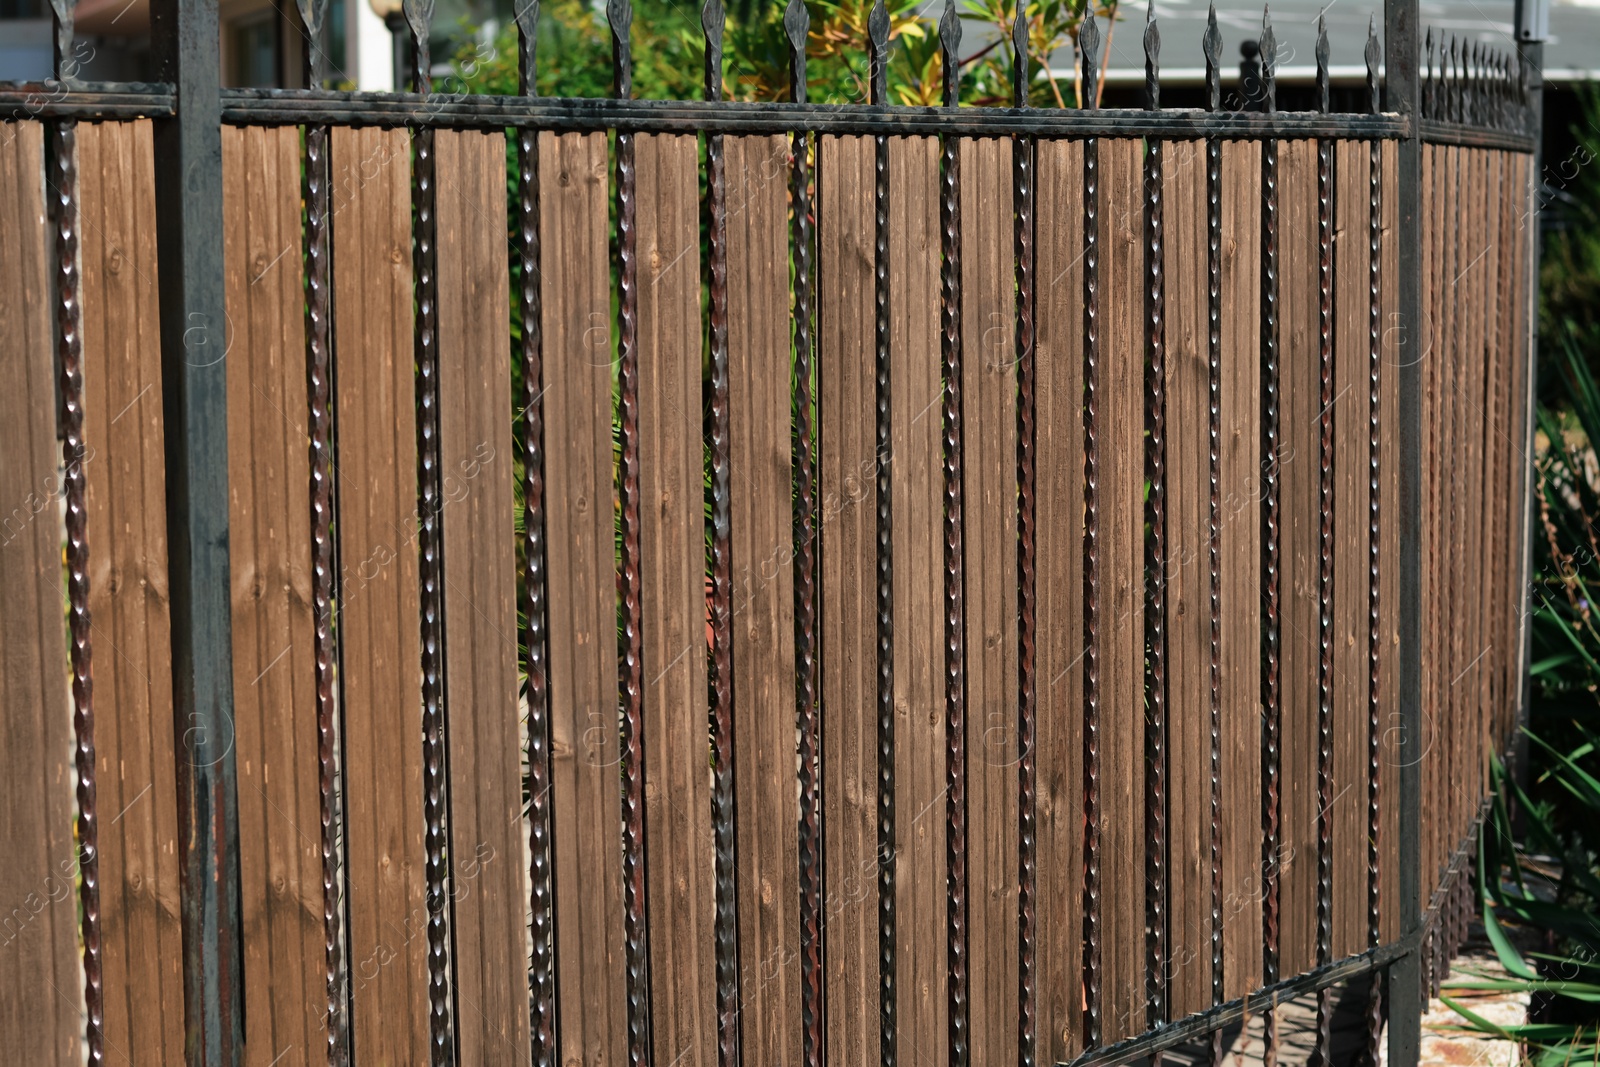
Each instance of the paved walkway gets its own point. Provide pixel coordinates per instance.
(1443, 1043)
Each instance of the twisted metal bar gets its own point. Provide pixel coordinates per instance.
(531, 303)
(430, 539)
(722, 769)
(1272, 704)
(1212, 47)
(74, 452)
(540, 842)
(1374, 1016)
(796, 26)
(1090, 41)
(318, 371)
(1022, 191)
(878, 32)
(1214, 546)
(1322, 1054)
(955, 647)
(315, 191)
(636, 952)
(1155, 551)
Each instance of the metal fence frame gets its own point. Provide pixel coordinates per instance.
(1477, 101)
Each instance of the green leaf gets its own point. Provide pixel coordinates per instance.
(1510, 958)
(1550, 663)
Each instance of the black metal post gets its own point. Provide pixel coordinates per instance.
(1401, 20)
(194, 344)
(395, 23)
(1532, 19)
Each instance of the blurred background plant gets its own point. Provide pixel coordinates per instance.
(1569, 281)
(668, 51)
(1539, 861)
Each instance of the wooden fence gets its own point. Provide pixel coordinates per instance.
(954, 609)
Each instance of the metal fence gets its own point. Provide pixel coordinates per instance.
(770, 583)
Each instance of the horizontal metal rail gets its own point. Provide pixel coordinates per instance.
(1436, 131)
(293, 107)
(86, 100)
(1195, 1027)
(288, 107)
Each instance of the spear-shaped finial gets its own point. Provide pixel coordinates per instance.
(1152, 59)
(312, 13)
(526, 12)
(619, 15)
(1455, 79)
(1089, 44)
(1269, 62)
(64, 14)
(1373, 54)
(713, 21)
(878, 41)
(419, 16)
(1469, 81)
(1480, 74)
(796, 26)
(1502, 68)
(1428, 76)
(1020, 75)
(1211, 45)
(1324, 96)
(1505, 90)
(950, 52)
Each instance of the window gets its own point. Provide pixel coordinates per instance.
(254, 41)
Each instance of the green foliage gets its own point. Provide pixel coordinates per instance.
(1566, 545)
(669, 54)
(1564, 982)
(1557, 801)
(1569, 270)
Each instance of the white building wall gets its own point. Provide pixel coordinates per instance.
(370, 52)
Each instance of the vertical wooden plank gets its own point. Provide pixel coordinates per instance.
(849, 658)
(1519, 488)
(921, 863)
(1442, 465)
(379, 621)
(1486, 506)
(1449, 460)
(1463, 381)
(680, 871)
(1188, 579)
(1487, 503)
(1395, 349)
(1300, 546)
(489, 883)
(1506, 450)
(1443, 264)
(1469, 398)
(1240, 577)
(579, 523)
(1525, 303)
(766, 761)
(274, 683)
(990, 514)
(1058, 398)
(1457, 374)
(40, 989)
(126, 474)
(1350, 564)
(1121, 489)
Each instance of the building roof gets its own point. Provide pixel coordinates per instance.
(1571, 53)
